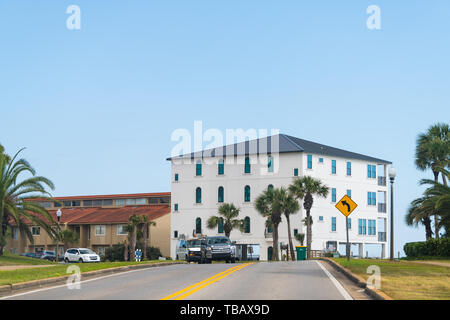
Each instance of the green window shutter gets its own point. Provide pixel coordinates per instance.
(198, 195)
(247, 168)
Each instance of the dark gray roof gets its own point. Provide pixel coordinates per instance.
(280, 143)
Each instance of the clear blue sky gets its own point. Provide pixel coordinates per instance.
(95, 107)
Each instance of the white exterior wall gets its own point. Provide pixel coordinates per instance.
(234, 180)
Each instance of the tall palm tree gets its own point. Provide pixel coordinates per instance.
(15, 196)
(288, 206)
(420, 212)
(432, 152)
(440, 196)
(145, 223)
(132, 228)
(306, 188)
(227, 215)
(269, 205)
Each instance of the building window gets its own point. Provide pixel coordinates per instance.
(372, 227)
(320, 218)
(295, 232)
(198, 226)
(371, 171)
(141, 201)
(247, 168)
(295, 172)
(108, 202)
(333, 223)
(176, 176)
(247, 194)
(57, 204)
(349, 168)
(349, 193)
(221, 167)
(100, 230)
(175, 234)
(15, 233)
(175, 207)
(247, 225)
(36, 231)
(371, 198)
(120, 202)
(220, 226)
(320, 160)
(349, 223)
(122, 230)
(309, 162)
(87, 203)
(270, 164)
(220, 195)
(198, 168)
(76, 203)
(333, 166)
(270, 187)
(333, 195)
(362, 226)
(198, 195)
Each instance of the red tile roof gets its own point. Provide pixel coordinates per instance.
(108, 215)
(115, 196)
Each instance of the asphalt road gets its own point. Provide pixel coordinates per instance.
(259, 281)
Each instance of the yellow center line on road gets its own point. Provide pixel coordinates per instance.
(200, 285)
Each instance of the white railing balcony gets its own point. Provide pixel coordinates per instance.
(381, 207)
(382, 236)
(382, 181)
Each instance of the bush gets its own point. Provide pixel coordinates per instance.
(153, 253)
(433, 247)
(115, 253)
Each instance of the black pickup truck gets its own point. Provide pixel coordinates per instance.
(217, 248)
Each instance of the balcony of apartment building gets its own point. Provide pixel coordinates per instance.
(381, 196)
(382, 227)
(381, 171)
(268, 234)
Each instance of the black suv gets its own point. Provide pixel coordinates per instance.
(216, 248)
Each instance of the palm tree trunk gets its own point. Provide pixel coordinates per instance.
(444, 179)
(308, 234)
(145, 240)
(125, 251)
(428, 231)
(275, 243)
(291, 245)
(436, 216)
(133, 245)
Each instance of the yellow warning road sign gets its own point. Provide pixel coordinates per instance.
(346, 205)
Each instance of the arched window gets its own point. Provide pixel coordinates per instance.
(247, 167)
(270, 164)
(220, 195)
(270, 187)
(247, 225)
(198, 226)
(247, 194)
(221, 167)
(198, 195)
(220, 227)
(198, 168)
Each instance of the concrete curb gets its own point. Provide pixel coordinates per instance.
(12, 288)
(360, 282)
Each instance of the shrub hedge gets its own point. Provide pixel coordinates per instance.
(433, 247)
(117, 251)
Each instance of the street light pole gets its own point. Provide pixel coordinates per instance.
(392, 177)
(58, 233)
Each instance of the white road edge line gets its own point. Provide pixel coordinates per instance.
(81, 282)
(340, 288)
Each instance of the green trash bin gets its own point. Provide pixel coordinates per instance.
(301, 252)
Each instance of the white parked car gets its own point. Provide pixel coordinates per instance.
(81, 255)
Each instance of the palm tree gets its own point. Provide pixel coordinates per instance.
(227, 215)
(439, 195)
(269, 205)
(289, 206)
(305, 188)
(420, 211)
(145, 223)
(68, 237)
(432, 152)
(15, 196)
(133, 222)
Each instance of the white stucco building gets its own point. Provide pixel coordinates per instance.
(238, 173)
